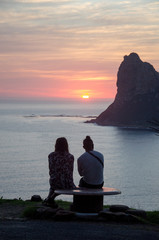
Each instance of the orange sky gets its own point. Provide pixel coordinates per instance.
(68, 48)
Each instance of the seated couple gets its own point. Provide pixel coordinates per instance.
(90, 167)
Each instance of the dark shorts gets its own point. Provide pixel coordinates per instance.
(82, 183)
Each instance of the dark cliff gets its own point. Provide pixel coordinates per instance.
(137, 98)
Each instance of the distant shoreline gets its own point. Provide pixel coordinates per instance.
(131, 127)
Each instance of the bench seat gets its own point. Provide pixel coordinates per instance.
(86, 199)
(88, 191)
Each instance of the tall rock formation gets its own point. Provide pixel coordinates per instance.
(137, 98)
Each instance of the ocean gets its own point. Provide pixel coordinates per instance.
(28, 131)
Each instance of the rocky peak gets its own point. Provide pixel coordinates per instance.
(132, 57)
(137, 98)
(136, 77)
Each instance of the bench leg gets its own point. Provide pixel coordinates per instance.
(87, 204)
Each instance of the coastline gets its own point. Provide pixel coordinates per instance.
(123, 126)
(14, 209)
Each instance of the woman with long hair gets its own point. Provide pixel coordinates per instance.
(61, 164)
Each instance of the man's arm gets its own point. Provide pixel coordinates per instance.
(79, 165)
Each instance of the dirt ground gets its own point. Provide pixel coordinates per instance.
(8, 210)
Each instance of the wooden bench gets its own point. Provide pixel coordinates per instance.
(86, 200)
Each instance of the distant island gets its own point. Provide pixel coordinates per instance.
(137, 99)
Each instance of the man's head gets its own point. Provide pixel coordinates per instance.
(88, 144)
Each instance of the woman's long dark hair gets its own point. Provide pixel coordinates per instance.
(61, 145)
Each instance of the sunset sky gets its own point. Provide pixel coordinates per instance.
(70, 48)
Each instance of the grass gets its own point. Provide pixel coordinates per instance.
(153, 217)
(12, 201)
(30, 211)
(30, 208)
(62, 204)
(19, 202)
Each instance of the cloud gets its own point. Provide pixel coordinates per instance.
(43, 1)
(89, 37)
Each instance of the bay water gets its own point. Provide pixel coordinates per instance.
(28, 131)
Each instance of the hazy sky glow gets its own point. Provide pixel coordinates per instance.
(64, 48)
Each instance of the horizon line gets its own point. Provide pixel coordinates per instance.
(51, 99)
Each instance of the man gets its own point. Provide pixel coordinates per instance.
(90, 166)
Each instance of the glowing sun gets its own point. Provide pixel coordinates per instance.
(85, 96)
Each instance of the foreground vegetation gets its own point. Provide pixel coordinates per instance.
(30, 207)
(28, 203)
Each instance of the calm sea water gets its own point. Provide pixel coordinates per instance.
(27, 135)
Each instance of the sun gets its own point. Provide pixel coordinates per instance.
(85, 96)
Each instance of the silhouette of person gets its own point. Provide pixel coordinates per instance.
(90, 166)
(61, 164)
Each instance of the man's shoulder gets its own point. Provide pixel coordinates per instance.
(82, 156)
(99, 154)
